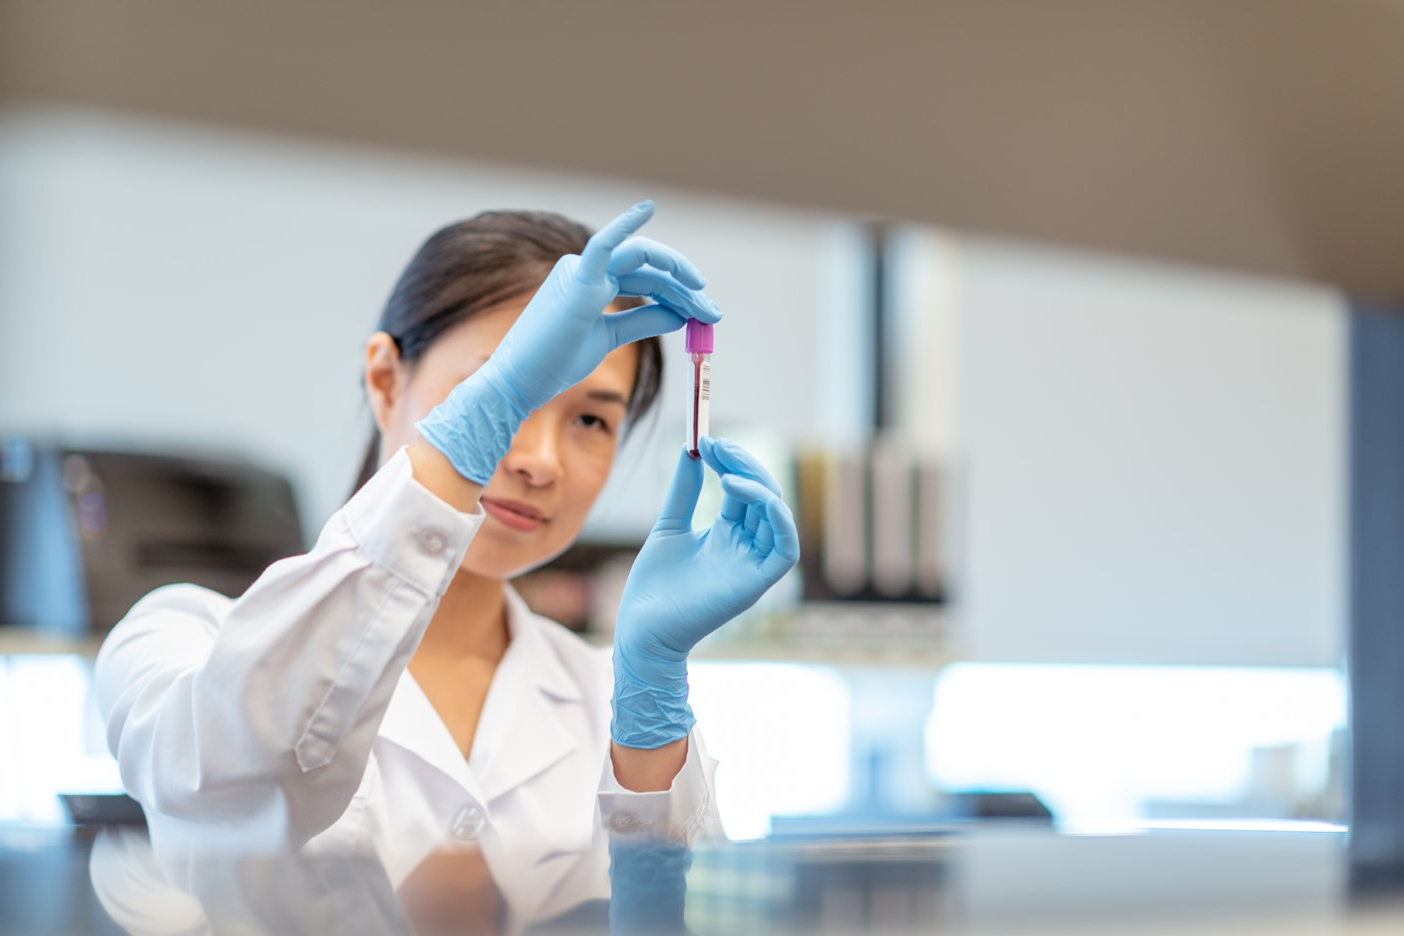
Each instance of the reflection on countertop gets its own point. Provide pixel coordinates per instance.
(993, 878)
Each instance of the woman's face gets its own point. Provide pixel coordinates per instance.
(537, 500)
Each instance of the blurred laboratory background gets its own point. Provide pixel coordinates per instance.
(1049, 316)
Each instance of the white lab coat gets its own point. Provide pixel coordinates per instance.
(287, 718)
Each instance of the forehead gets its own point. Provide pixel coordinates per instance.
(479, 335)
(617, 372)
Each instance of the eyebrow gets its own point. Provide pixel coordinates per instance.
(607, 396)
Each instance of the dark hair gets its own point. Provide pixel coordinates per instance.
(473, 266)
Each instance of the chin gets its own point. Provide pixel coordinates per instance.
(506, 564)
(499, 569)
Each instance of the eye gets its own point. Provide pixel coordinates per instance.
(591, 421)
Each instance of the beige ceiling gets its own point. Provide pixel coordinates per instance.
(1265, 135)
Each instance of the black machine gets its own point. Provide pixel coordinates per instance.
(84, 533)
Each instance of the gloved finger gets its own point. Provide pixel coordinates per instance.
(681, 502)
(665, 288)
(726, 457)
(643, 322)
(733, 508)
(639, 252)
(740, 494)
(765, 536)
(596, 255)
(775, 534)
(755, 516)
(780, 524)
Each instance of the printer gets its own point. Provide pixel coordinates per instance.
(85, 532)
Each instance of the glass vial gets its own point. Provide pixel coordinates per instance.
(697, 342)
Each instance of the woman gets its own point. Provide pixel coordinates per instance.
(388, 690)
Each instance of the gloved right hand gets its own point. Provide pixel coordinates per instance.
(686, 583)
(563, 335)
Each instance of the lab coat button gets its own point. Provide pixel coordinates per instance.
(468, 823)
(623, 821)
(431, 542)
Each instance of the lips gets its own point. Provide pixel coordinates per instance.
(513, 514)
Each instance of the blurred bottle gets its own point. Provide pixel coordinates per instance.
(870, 524)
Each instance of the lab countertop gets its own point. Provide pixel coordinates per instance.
(986, 879)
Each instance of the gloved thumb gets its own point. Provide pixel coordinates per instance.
(681, 502)
(642, 322)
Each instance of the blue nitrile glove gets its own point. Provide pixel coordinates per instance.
(563, 335)
(686, 583)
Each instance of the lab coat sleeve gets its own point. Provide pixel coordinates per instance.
(253, 720)
(682, 813)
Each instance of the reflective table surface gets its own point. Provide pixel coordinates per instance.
(982, 879)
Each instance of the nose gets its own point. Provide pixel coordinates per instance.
(535, 455)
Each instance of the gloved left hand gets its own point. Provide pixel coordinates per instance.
(686, 583)
(562, 335)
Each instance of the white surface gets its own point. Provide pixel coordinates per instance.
(51, 737)
(1105, 746)
(177, 285)
(764, 770)
(1156, 463)
(924, 340)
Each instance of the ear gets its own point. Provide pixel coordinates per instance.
(383, 377)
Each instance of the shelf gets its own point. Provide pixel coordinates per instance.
(841, 634)
(823, 633)
(838, 655)
(18, 641)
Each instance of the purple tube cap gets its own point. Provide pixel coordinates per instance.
(698, 338)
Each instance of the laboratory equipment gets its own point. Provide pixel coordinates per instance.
(85, 532)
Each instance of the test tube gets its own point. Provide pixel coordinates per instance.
(697, 341)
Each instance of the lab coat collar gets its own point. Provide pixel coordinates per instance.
(520, 732)
(412, 723)
(545, 668)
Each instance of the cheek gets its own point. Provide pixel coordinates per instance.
(587, 474)
(413, 405)
(418, 400)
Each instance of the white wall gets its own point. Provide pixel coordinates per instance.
(1155, 460)
(1154, 455)
(173, 285)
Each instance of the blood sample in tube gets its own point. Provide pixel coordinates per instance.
(697, 341)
